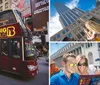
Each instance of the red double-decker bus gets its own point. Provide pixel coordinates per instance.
(16, 47)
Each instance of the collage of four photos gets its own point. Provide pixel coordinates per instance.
(49, 42)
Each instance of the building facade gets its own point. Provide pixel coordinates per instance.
(90, 50)
(75, 30)
(5, 4)
(24, 6)
(66, 15)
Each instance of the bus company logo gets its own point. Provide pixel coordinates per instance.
(7, 31)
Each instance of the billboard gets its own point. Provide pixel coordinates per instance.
(23, 6)
(40, 14)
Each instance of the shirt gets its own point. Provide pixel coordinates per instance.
(62, 79)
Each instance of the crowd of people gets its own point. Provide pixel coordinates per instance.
(73, 67)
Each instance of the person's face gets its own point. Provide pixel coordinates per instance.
(82, 67)
(52, 66)
(70, 65)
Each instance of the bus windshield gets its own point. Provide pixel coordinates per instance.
(7, 17)
(29, 49)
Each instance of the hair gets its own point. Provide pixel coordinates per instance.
(66, 56)
(83, 57)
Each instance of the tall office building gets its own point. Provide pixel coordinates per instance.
(67, 15)
(76, 30)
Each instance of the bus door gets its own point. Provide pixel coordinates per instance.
(16, 55)
(4, 54)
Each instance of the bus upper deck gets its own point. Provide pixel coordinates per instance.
(11, 24)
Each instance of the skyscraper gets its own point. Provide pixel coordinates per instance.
(67, 15)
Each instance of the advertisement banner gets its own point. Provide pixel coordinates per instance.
(40, 14)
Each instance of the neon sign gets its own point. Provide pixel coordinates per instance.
(7, 31)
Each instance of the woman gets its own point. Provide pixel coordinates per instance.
(93, 32)
(83, 66)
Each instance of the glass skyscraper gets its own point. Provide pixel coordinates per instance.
(67, 15)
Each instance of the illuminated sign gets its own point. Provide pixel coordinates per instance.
(7, 31)
(40, 13)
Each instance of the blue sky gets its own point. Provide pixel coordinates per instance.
(54, 47)
(55, 25)
(82, 4)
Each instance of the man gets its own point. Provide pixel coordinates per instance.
(68, 75)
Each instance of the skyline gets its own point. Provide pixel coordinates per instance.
(55, 25)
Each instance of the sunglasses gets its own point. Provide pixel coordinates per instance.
(72, 64)
(82, 64)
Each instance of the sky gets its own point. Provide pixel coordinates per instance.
(55, 26)
(54, 47)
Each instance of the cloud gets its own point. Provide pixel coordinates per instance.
(72, 4)
(54, 25)
(92, 7)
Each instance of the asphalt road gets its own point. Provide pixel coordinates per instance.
(40, 79)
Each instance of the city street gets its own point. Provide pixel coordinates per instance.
(40, 79)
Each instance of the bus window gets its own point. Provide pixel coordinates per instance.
(16, 49)
(29, 49)
(7, 17)
(4, 48)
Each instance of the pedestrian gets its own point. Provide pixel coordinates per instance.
(53, 68)
(68, 75)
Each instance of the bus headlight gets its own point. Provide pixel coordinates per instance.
(31, 67)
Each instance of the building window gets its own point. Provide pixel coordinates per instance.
(1, 1)
(88, 45)
(80, 51)
(79, 21)
(63, 20)
(77, 51)
(63, 32)
(1, 8)
(90, 57)
(6, 5)
(67, 30)
(69, 35)
(79, 36)
(99, 45)
(82, 33)
(72, 20)
(96, 20)
(58, 36)
(67, 20)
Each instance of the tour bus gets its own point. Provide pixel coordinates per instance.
(93, 29)
(16, 47)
